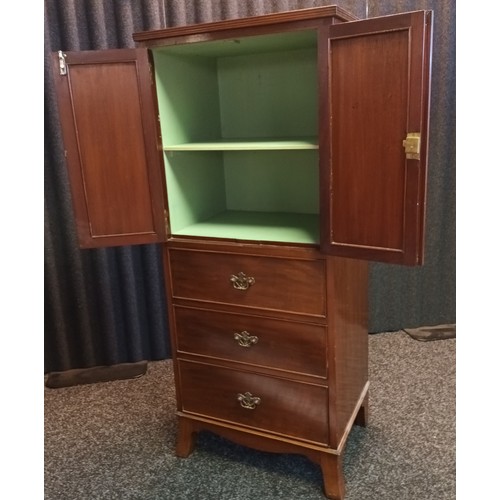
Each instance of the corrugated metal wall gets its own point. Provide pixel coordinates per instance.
(107, 306)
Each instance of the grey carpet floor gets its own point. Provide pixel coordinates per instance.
(116, 440)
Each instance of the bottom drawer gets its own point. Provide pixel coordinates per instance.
(285, 407)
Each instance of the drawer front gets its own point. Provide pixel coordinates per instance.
(285, 345)
(293, 409)
(262, 282)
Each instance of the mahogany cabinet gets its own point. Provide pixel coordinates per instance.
(274, 156)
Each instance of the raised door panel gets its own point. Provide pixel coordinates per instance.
(378, 92)
(107, 109)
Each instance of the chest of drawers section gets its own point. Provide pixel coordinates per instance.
(270, 347)
(251, 341)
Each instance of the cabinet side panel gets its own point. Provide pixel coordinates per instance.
(348, 341)
(167, 274)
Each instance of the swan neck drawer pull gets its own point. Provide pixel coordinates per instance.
(244, 339)
(241, 281)
(248, 401)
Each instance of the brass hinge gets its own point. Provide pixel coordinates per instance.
(63, 69)
(151, 76)
(167, 224)
(412, 146)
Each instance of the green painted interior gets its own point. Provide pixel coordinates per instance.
(195, 187)
(207, 96)
(239, 127)
(208, 189)
(272, 181)
(258, 226)
(188, 98)
(269, 94)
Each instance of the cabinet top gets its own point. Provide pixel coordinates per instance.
(247, 22)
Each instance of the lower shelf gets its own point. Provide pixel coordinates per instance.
(254, 144)
(258, 226)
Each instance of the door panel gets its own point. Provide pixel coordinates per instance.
(378, 78)
(107, 108)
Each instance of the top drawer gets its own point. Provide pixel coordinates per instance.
(290, 285)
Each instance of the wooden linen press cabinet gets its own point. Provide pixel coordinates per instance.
(273, 156)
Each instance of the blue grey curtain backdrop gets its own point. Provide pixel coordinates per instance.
(107, 306)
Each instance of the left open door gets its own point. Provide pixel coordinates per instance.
(108, 114)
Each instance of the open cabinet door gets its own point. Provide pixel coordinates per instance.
(374, 155)
(107, 107)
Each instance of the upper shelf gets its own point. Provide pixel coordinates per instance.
(256, 144)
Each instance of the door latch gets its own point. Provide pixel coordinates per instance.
(62, 63)
(412, 146)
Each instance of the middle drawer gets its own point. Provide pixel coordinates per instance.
(278, 344)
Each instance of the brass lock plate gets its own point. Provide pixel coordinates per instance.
(412, 146)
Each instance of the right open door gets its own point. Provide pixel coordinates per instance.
(374, 153)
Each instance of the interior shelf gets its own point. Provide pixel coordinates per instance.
(258, 226)
(254, 144)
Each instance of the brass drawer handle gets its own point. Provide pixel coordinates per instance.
(248, 401)
(241, 281)
(244, 339)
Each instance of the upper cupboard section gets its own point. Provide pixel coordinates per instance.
(249, 93)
